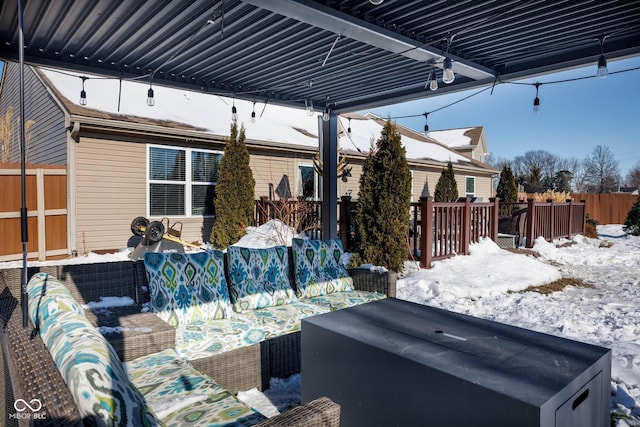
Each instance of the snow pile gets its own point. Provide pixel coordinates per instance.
(272, 233)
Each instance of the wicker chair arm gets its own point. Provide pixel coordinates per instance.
(322, 412)
(374, 281)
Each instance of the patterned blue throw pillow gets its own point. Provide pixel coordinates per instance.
(318, 270)
(187, 288)
(259, 277)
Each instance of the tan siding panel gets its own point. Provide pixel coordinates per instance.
(111, 192)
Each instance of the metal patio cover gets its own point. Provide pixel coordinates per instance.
(347, 55)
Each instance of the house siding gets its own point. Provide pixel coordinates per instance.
(47, 143)
(110, 192)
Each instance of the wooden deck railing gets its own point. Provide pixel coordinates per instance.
(453, 226)
(553, 220)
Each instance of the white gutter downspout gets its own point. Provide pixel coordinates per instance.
(72, 139)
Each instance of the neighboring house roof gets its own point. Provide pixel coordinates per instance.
(458, 138)
(211, 114)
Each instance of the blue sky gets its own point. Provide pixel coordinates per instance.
(574, 116)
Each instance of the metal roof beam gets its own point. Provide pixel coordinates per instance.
(321, 16)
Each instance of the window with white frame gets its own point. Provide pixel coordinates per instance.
(470, 186)
(181, 181)
(307, 182)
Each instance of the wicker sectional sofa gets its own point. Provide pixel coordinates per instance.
(135, 333)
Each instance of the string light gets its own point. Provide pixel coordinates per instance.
(253, 114)
(349, 128)
(426, 126)
(326, 116)
(308, 105)
(602, 72)
(83, 93)
(150, 99)
(536, 101)
(234, 111)
(448, 76)
(432, 83)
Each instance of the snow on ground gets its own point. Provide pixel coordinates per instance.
(606, 314)
(489, 283)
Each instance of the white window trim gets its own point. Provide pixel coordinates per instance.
(475, 181)
(316, 183)
(188, 183)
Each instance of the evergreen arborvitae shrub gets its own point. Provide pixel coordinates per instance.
(382, 216)
(632, 223)
(234, 202)
(507, 190)
(446, 188)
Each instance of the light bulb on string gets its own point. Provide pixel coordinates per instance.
(448, 76)
(602, 72)
(536, 101)
(234, 112)
(426, 126)
(349, 128)
(83, 93)
(150, 99)
(326, 116)
(308, 105)
(432, 83)
(253, 114)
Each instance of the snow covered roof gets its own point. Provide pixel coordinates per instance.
(212, 114)
(455, 138)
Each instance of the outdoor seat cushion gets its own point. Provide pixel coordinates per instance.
(340, 300)
(318, 269)
(242, 329)
(259, 277)
(187, 288)
(180, 395)
(47, 297)
(87, 363)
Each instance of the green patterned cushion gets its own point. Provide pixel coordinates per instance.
(187, 288)
(48, 296)
(165, 379)
(340, 300)
(259, 277)
(318, 270)
(180, 395)
(218, 410)
(86, 361)
(242, 329)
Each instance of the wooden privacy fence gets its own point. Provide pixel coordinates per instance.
(46, 213)
(608, 208)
